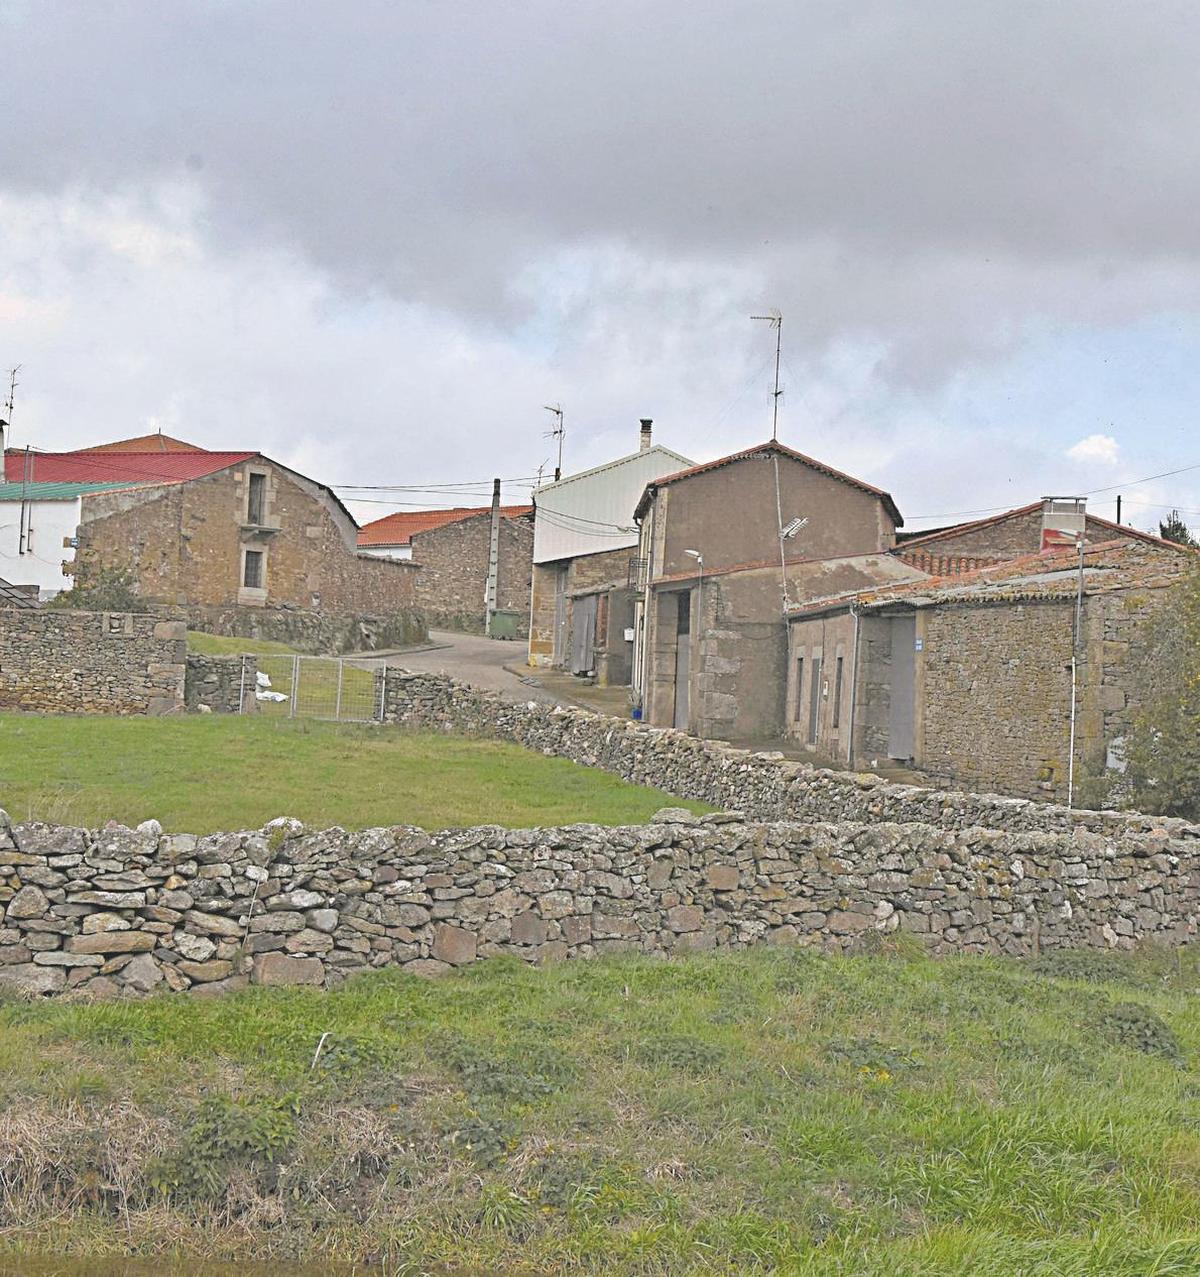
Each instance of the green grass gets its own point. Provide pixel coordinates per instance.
(203, 774)
(759, 1112)
(223, 645)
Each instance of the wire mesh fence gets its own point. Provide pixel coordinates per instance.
(317, 687)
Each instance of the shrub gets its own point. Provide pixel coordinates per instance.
(226, 1133)
(1136, 1026)
(683, 1052)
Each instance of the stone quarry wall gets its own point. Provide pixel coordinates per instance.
(763, 786)
(221, 684)
(59, 661)
(122, 911)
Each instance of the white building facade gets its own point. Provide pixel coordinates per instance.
(584, 537)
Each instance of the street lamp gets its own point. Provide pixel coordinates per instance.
(695, 554)
(786, 533)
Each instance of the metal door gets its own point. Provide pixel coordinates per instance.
(683, 661)
(902, 718)
(583, 634)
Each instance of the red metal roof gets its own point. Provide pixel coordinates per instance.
(400, 528)
(783, 450)
(86, 466)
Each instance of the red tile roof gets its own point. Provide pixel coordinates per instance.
(86, 466)
(400, 528)
(158, 442)
(783, 451)
(957, 529)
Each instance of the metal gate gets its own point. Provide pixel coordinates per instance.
(318, 687)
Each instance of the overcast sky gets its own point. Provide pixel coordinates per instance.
(372, 239)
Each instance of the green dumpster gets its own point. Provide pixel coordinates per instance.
(505, 623)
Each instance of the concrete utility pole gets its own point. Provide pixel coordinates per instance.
(493, 577)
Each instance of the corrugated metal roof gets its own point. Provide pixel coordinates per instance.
(17, 491)
(118, 467)
(592, 512)
(401, 527)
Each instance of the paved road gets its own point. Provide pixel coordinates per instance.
(475, 660)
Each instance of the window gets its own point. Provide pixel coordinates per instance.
(814, 700)
(799, 689)
(837, 694)
(252, 573)
(256, 500)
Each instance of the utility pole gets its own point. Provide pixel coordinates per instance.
(493, 576)
(557, 433)
(1118, 507)
(775, 319)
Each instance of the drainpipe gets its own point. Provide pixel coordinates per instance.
(1075, 637)
(854, 612)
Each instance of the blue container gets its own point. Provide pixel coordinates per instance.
(636, 713)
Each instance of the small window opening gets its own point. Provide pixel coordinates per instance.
(837, 693)
(252, 576)
(256, 499)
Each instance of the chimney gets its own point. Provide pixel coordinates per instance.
(647, 424)
(3, 437)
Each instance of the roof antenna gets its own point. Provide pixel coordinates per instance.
(557, 433)
(13, 383)
(775, 319)
(6, 425)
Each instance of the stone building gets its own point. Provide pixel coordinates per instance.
(724, 547)
(452, 585)
(217, 535)
(1041, 525)
(584, 570)
(453, 547)
(969, 677)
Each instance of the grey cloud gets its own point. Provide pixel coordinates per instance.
(432, 148)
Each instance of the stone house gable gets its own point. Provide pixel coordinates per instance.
(251, 534)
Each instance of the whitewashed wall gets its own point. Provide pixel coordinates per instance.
(52, 522)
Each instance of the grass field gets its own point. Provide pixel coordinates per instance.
(207, 773)
(767, 1111)
(222, 645)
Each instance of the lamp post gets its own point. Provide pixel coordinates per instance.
(695, 554)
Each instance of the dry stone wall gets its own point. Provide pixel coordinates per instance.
(132, 911)
(58, 661)
(221, 684)
(318, 633)
(763, 786)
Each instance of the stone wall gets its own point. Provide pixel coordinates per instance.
(121, 911)
(763, 786)
(318, 633)
(996, 685)
(221, 684)
(56, 661)
(451, 586)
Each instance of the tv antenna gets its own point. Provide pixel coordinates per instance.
(13, 383)
(775, 319)
(558, 432)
